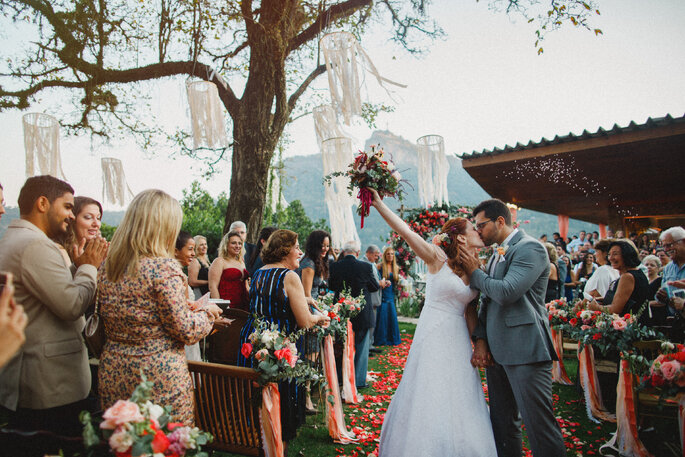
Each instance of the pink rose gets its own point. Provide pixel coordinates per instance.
(670, 369)
(261, 354)
(396, 174)
(584, 327)
(619, 324)
(122, 412)
(121, 440)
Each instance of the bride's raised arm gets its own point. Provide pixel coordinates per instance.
(426, 251)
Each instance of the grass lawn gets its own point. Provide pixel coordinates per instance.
(582, 436)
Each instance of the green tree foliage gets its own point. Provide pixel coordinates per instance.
(203, 215)
(294, 218)
(107, 231)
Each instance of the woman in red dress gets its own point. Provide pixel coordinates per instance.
(228, 275)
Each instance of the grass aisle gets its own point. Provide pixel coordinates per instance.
(582, 437)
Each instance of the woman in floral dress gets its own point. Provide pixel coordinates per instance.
(148, 321)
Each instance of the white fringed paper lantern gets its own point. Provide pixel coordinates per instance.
(276, 197)
(114, 187)
(433, 170)
(41, 143)
(206, 115)
(326, 124)
(344, 58)
(337, 154)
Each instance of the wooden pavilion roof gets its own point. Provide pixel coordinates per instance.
(601, 177)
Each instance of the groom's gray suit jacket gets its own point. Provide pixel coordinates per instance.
(512, 316)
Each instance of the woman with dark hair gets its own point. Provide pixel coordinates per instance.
(553, 282)
(629, 292)
(277, 297)
(387, 332)
(254, 262)
(583, 271)
(314, 265)
(85, 225)
(645, 243)
(184, 251)
(568, 280)
(598, 284)
(432, 391)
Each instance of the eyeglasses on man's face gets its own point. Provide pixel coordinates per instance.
(480, 225)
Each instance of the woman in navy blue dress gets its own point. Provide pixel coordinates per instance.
(387, 330)
(277, 296)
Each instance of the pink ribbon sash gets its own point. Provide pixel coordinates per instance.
(349, 386)
(334, 413)
(270, 421)
(588, 380)
(558, 369)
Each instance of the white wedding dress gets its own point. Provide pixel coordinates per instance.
(439, 409)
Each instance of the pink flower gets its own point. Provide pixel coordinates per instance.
(121, 440)
(261, 354)
(670, 369)
(246, 350)
(122, 412)
(396, 174)
(619, 324)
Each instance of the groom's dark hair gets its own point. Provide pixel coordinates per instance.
(493, 209)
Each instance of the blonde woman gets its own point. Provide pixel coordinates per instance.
(228, 275)
(387, 331)
(148, 320)
(198, 270)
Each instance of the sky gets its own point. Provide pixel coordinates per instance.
(484, 86)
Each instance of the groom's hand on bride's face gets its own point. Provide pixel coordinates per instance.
(469, 262)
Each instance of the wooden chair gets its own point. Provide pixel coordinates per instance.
(570, 348)
(227, 402)
(224, 344)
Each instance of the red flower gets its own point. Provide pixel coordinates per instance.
(597, 336)
(657, 380)
(573, 321)
(160, 442)
(246, 350)
(680, 357)
(172, 425)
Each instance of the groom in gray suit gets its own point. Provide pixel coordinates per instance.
(512, 338)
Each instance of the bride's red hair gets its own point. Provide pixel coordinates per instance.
(453, 227)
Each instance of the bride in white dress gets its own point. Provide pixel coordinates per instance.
(439, 408)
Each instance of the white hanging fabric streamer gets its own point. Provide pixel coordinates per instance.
(433, 170)
(276, 196)
(337, 154)
(41, 143)
(114, 186)
(206, 115)
(343, 56)
(326, 124)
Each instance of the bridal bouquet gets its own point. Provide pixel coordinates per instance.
(371, 171)
(138, 427)
(275, 355)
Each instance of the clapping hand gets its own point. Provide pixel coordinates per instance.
(93, 253)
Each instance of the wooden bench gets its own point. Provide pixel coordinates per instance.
(647, 400)
(227, 401)
(224, 342)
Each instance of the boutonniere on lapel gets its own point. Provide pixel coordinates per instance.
(501, 250)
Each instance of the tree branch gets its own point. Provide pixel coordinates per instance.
(292, 101)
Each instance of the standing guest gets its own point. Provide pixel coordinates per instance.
(512, 338)
(387, 329)
(85, 226)
(559, 241)
(595, 236)
(610, 233)
(582, 272)
(673, 242)
(228, 275)
(569, 285)
(561, 267)
(184, 252)
(576, 243)
(143, 297)
(657, 311)
(553, 282)
(254, 261)
(543, 238)
(240, 228)
(619, 234)
(314, 265)
(277, 297)
(371, 256)
(598, 284)
(13, 321)
(44, 387)
(645, 243)
(358, 276)
(198, 270)
(663, 257)
(632, 288)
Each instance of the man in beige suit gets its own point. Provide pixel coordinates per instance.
(45, 385)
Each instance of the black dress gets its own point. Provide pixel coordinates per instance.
(269, 301)
(637, 298)
(203, 275)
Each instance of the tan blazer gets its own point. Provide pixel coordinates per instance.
(51, 369)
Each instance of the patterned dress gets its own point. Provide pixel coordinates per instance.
(148, 323)
(269, 301)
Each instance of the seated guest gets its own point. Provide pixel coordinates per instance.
(598, 284)
(583, 271)
(673, 242)
(276, 296)
(198, 270)
(85, 225)
(228, 275)
(663, 257)
(629, 292)
(143, 297)
(254, 261)
(553, 282)
(184, 252)
(45, 386)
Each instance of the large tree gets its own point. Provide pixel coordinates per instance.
(103, 48)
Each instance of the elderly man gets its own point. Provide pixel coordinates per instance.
(673, 241)
(46, 384)
(373, 253)
(358, 276)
